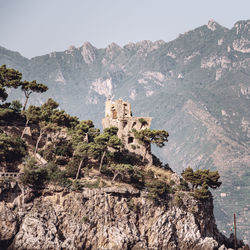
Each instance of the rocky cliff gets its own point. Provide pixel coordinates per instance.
(105, 218)
(196, 87)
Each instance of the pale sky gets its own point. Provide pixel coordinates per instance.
(38, 27)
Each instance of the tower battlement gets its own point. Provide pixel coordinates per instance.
(117, 109)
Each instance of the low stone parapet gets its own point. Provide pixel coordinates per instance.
(9, 174)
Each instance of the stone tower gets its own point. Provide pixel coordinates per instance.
(118, 114)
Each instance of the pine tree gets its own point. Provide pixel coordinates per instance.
(29, 87)
(9, 78)
(147, 137)
(108, 140)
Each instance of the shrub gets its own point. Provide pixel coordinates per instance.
(49, 153)
(127, 157)
(37, 176)
(34, 177)
(61, 161)
(106, 170)
(201, 193)
(143, 121)
(183, 185)
(157, 189)
(63, 148)
(57, 176)
(16, 106)
(92, 184)
(125, 172)
(12, 149)
(178, 199)
(7, 115)
(10, 113)
(200, 177)
(132, 205)
(85, 219)
(31, 163)
(171, 183)
(72, 167)
(76, 185)
(150, 174)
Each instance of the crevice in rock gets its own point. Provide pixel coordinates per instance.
(61, 236)
(9, 192)
(7, 244)
(174, 237)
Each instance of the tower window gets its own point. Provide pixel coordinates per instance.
(130, 140)
(114, 114)
(133, 125)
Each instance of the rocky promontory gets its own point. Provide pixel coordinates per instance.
(117, 217)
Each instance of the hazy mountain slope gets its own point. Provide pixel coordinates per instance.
(197, 87)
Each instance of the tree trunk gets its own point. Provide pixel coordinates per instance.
(25, 103)
(38, 140)
(144, 156)
(79, 168)
(115, 175)
(26, 125)
(100, 168)
(27, 95)
(47, 138)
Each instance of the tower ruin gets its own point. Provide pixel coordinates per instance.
(118, 114)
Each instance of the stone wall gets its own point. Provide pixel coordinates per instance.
(118, 114)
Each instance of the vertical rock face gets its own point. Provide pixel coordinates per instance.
(108, 218)
(88, 53)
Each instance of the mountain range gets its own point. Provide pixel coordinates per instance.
(197, 87)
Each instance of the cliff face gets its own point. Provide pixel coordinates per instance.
(106, 218)
(196, 87)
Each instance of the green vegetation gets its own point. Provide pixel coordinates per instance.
(62, 148)
(147, 137)
(37, 176)
(126, 172)
(9, 78)
(12, 150)
(178, 198)
(201, 193)
(157, 189)
(33, 175)
(202, 176)
(174, 101)
(143, 122)
(108, 140)
(10, 113)
(29, 87)
(201, 180)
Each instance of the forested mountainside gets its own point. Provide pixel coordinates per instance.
(196, 87)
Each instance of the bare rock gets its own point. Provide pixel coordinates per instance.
(109, 218)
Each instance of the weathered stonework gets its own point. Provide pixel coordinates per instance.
(118, 114)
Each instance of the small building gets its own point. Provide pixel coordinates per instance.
(118, 114)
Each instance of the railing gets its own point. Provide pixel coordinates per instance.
(10, 174)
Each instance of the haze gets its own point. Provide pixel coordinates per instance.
(37, 27)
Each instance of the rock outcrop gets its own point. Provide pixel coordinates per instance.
(196, 87)
(107, 218)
